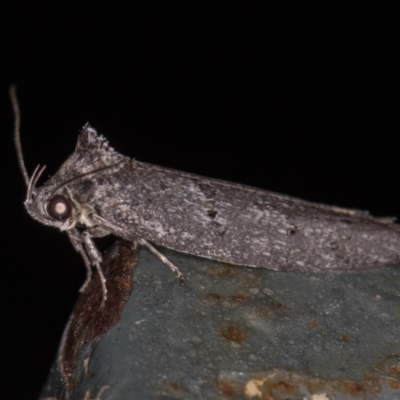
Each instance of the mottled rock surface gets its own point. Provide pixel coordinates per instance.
(231, 333)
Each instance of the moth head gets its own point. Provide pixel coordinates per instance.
(53, 203)
(57, 209)
(58, 202)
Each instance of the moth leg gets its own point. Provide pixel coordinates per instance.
(165, 260)
(96, 259)
(76, 241)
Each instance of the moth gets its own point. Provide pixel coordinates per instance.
(98, 191)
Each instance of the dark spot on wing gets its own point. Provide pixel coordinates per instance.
(100, 181)
(222, 232)
(212, 213)
(293, 230)
(334, 245)
(98, 210)
(86, 186)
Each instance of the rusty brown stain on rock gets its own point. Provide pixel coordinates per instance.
(395, 370)
(90, 321)
(263, 311)
(170, 390)
(233, 334)
(346, 338)
(354, 388)
(314, 323)
(390, 366)
(280, 384)
(229, 388)
(239, 297)
(394, 384)
(223, 271)
(174, 386)
(215, 298)
(212, 299)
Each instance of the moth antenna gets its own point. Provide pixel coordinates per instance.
(17, 136)
(32, 182)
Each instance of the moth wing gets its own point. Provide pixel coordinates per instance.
(248, 226)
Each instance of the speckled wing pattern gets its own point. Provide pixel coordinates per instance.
(230, 222)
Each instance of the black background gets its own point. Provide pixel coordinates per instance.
(302, 100)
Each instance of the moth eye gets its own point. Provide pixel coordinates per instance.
(59, 208)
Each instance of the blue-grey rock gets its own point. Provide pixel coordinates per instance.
(230, 333)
